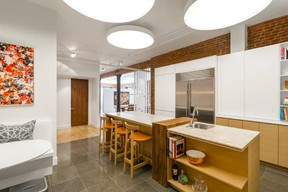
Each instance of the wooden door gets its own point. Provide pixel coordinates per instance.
(79, 102)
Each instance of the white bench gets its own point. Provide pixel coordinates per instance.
(22, 161)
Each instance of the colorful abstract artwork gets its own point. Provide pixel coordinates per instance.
(16, 75)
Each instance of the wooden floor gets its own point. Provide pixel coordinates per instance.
(76, 133)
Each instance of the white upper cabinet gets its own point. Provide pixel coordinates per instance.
(230, 83)
(262, 83)
(165, 89)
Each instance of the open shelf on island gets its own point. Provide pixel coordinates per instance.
(179, 186)
(222, 175)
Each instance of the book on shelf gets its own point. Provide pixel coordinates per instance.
(281, 113)
(285, 113)
(176, 146)
(284, 53)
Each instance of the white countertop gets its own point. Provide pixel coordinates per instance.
(140, 117)
(221, 135)
(255, 119)
(14, 153)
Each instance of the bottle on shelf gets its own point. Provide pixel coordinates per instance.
(199, 184)
(175, 171)
(183, 179)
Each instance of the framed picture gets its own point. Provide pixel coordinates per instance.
(124, 98)
(16, 75)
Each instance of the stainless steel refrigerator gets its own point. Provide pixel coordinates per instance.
(196, 89)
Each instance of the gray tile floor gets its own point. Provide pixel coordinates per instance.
(82, 169)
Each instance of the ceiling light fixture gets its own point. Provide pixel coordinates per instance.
(73, 54)
(211, 14)
(130, 37)
(113, 11)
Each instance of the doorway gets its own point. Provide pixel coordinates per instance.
(79, 102)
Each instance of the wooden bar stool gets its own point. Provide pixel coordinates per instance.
(117, 140)
(135, 140)
(104, 127)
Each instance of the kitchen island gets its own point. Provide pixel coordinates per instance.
(231, 162)
(156, 126)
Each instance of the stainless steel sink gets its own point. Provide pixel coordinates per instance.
(201, 125)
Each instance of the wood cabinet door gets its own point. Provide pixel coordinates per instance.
(269, 143)
(250, 125)
(79, 102)
(283, 146)
(221, 121)
(230, 84)
(235, 123)
(262, 83)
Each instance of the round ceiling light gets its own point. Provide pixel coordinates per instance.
(113, 11)
(130, 37)
(211, 14)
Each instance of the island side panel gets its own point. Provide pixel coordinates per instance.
(159, 149)
(254, 164)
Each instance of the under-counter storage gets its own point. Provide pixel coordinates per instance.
(224, 168)
(269, 143)
(283, 146)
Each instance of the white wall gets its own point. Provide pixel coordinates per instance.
(77, 70)
(27, 24)
(63, 102)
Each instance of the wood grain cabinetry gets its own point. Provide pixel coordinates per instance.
(250, 125)
(232, 171)
(283, 146)
(222, 121)
(269, 143)
(235, 123)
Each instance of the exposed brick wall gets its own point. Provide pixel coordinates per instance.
(216, 46)
(268, 33)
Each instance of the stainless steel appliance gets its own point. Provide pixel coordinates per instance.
(196, 89)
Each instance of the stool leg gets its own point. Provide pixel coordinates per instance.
(103, 142)
(125, 155)
(132, 160)
(115, 154)
(111, 144)
(100, 137)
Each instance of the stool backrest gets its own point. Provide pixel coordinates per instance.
(131, 127)
(115, 123)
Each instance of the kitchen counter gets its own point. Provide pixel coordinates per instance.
(139, 117)
(234, 138)
(232, 158)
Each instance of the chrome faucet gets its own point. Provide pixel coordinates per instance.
(193, 114)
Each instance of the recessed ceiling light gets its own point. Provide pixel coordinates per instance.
(211, 14)
(113, 11)
(73, 54)
(130, 37)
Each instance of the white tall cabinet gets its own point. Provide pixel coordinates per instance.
(230, 81)
(165, 91)
(248, 84)
(262, 83)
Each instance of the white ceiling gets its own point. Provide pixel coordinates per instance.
(88, 37)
